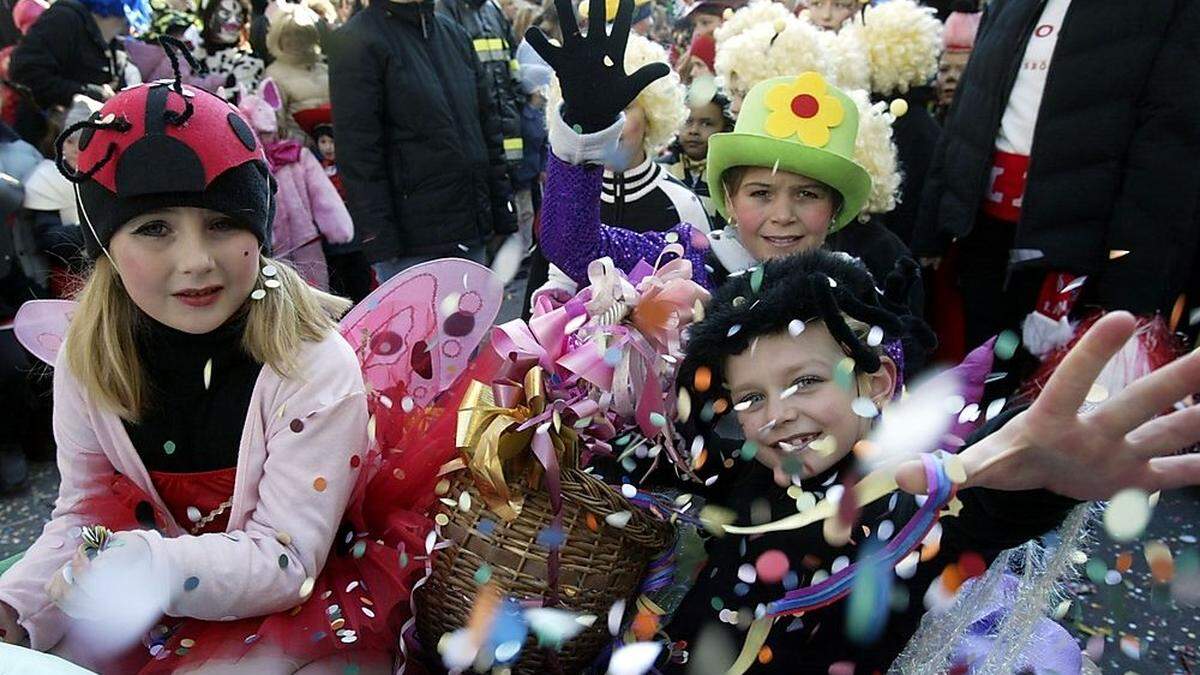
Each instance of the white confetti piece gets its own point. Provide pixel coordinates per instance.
(1127, 515)
(634, 659)
(619, 519)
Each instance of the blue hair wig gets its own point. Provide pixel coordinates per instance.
(137, 12)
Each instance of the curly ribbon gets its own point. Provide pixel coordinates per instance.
(839, 585)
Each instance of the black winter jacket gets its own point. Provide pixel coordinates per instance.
(419, 143)
(61, 55)
(1113, 166)
(491, 36)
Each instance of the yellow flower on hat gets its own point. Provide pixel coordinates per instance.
(803, 108)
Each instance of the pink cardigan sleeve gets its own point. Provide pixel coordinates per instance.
(86, 472)
(328, 209)
(312, 426)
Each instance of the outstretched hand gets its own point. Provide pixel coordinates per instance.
(1121, 443)
(591, 68)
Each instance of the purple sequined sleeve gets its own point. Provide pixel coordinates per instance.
(573, 236)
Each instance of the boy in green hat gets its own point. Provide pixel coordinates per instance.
(784, 179)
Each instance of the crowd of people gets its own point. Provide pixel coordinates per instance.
(791, 208)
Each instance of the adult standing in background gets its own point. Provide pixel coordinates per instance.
(421, 151)
(1070, 151)
(69, 50)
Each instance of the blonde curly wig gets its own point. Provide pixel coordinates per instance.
(662, 101)
(770, 50)
(757, 12)
(902, 40)
(847, 58)
(875, 151)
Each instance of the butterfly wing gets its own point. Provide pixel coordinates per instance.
(41, 325)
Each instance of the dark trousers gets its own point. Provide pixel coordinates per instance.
(995, 299)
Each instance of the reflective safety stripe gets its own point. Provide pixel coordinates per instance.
(490, 49)
(514, 148)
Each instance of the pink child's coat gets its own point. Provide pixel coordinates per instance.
(308, 207)
(279, 461)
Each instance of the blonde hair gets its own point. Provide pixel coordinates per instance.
(770, 49)
(101, 351)
(875, 151)
(902, 42)
(756, 13)
(663, 101)
(847, 58)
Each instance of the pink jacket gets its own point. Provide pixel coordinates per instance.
(308, 207)
(274, 493)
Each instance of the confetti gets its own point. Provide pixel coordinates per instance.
(464, 501)
(1097, 394)
(864, 407)
(683, 405)
(191, 583)
(795, 327)
(1006, 345)
(194, 514)
(619, 519)
(258, 294)
(207, 373)
(629, 491)
(615, 614)
(1158, 557)
(1127, 515)
(441, 519)
(269, 271)
(283, 561)
(1117, 253)
(898, 107)
(552, 537)
(169, 447)
(875, 336)
(1131, 647)
(359, 549)
(657, 419)
(634, 659)
(319, 484)
(843, 373)
(553, 627)
(733, 330)
(756, 278)
(771, 566)
(483, 574)
(306, 587)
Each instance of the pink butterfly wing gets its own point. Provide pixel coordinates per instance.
(418, 331)
(41, 325)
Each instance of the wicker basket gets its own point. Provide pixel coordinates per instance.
(596, 568)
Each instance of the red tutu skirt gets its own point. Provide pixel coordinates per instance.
(361, 599)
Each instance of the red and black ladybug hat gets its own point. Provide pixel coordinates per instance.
(166, 144)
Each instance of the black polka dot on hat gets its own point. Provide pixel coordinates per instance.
(244, 134)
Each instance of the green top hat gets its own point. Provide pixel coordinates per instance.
(798, 124)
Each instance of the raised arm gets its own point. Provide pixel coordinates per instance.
(572, 235)
(585, 130)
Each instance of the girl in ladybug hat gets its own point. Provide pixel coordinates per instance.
(208, 415)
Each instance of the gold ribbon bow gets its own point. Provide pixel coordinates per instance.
(496, 427)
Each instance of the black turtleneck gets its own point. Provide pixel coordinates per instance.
(187, 426)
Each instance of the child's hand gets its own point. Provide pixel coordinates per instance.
(11, 631)
(591, 69)
(65, 588)
(1119, 444)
